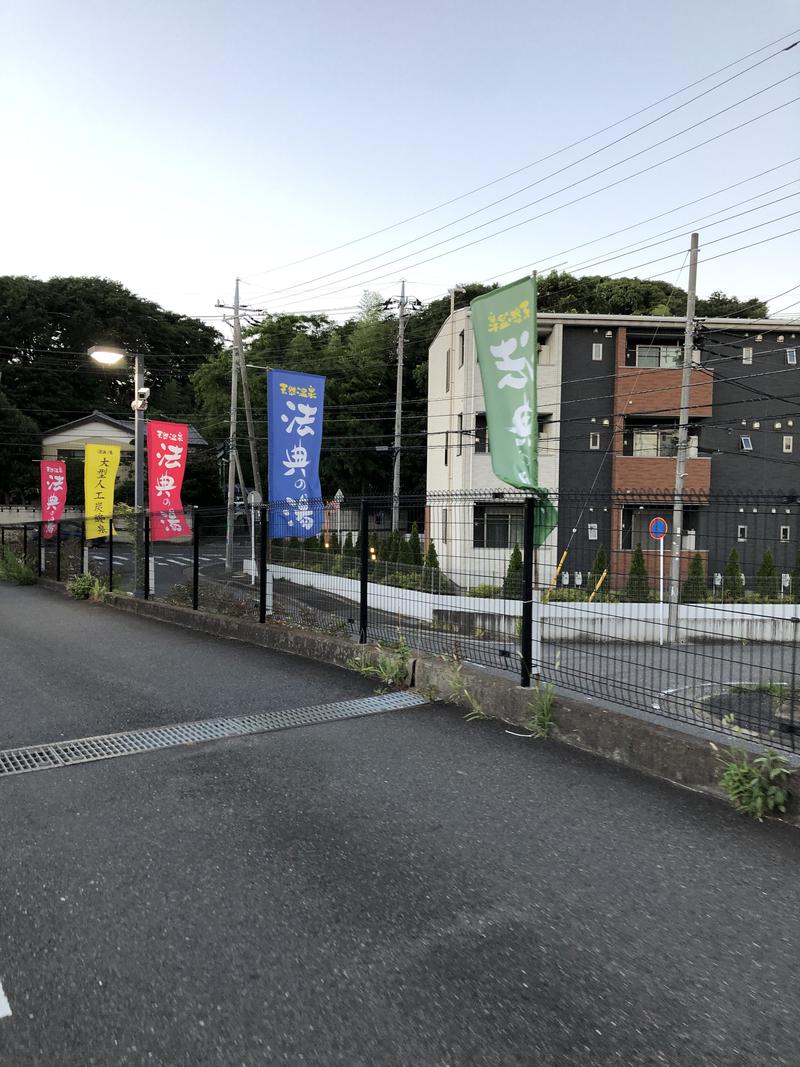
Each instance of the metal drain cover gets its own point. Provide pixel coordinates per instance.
(106, 746)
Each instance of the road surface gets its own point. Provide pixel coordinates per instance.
(403, 889)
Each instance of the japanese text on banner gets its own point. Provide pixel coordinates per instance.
(295, 403)
(99, 477)
(53, 478)
(167, 448)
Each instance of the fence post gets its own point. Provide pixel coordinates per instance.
(793, 688)
(24, 540)
(40, 551)
(82, 549)
(146, 554)
(526, 633)
(196, 560)
(363, 545)
(2, 535)
(111, 554)
(58, 551)
(262, 573)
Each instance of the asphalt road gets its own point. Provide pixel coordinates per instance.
(399, 889)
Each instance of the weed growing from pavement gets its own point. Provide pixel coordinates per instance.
(756, 785)
(391, 667)
(15, 568)
(541, 722)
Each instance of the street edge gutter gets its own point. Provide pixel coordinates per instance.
(653, 749)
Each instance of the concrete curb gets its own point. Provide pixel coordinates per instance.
(644, 746)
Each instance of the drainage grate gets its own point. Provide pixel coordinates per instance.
(106, 746)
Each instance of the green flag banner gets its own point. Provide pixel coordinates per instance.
(506, 342)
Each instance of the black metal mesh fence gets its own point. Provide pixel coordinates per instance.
(717, 648)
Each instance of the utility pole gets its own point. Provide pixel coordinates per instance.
(232, 464)
(248, 410)
(398, 408)
(683, 443)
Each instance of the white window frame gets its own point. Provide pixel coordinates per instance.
(746, 442)
(462, 344)
(788, 442)
(786, 534)
(447, 372)
(747, 356)
(663, 354)
(597, 351)
(741, 533)
(591, 531)
(594, 441)
(791, 357)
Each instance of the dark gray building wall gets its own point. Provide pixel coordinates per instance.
(587, 398)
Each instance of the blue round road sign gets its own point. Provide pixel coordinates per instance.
(658, 529)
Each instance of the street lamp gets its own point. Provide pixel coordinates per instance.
(110, 356)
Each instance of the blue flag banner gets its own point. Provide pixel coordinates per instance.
(294, 426)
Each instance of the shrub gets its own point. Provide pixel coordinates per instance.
(732, 579)
(405, 555)
(694, 588)
(416, 547)
(599, 565)
(767, 578)
(638, 587)
(80, 587)
(15, 569)
(485, 590)
(512, 583)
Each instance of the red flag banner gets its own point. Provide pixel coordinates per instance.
(167, 446)
(54, 493)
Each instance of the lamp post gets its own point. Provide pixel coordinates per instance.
(110, 356)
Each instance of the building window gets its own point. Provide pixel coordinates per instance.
(741, 533)
(496, 527)
(444, 526)
(461, 349)
(591, 531)
(447, 372)
(597, 351)
(791, 357)
(787, 443)
(654, 444)
(659, 355)
(481, 433)
(785, 534)
(594, 441)
(747, 443)
(747, 355)
(446, 445)
(460, 432)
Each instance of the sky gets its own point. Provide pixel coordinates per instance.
(175, 146)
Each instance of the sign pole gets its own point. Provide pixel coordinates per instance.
(661, 590)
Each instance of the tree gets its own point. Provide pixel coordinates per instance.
(430, 569)
(767, 578)
(349, 550)
(732, 579)
(638, 587)
(416, 547)
(694, 588)
(405, 555)
(20, 448)
(796, 580)
(512, 583)
(599, 566)
(333, 542)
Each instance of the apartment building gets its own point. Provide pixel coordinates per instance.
(608, 402)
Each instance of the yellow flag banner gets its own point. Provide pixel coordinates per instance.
(99, 475)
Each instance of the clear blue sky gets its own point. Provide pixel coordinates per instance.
(172, 146)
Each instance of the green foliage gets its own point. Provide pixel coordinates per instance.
(19, 472)
(456, 690)
(485, 590)
(392, 663)
(767, 578)
(333, 543)
(694, 588)
(758, 785)
(416, 546)
(512, 583)
(15, 569)
(732, 578)
(599, 565)
(638, 587)
(405, 554)
(541, 722)
(349, 549)
(87, 587)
